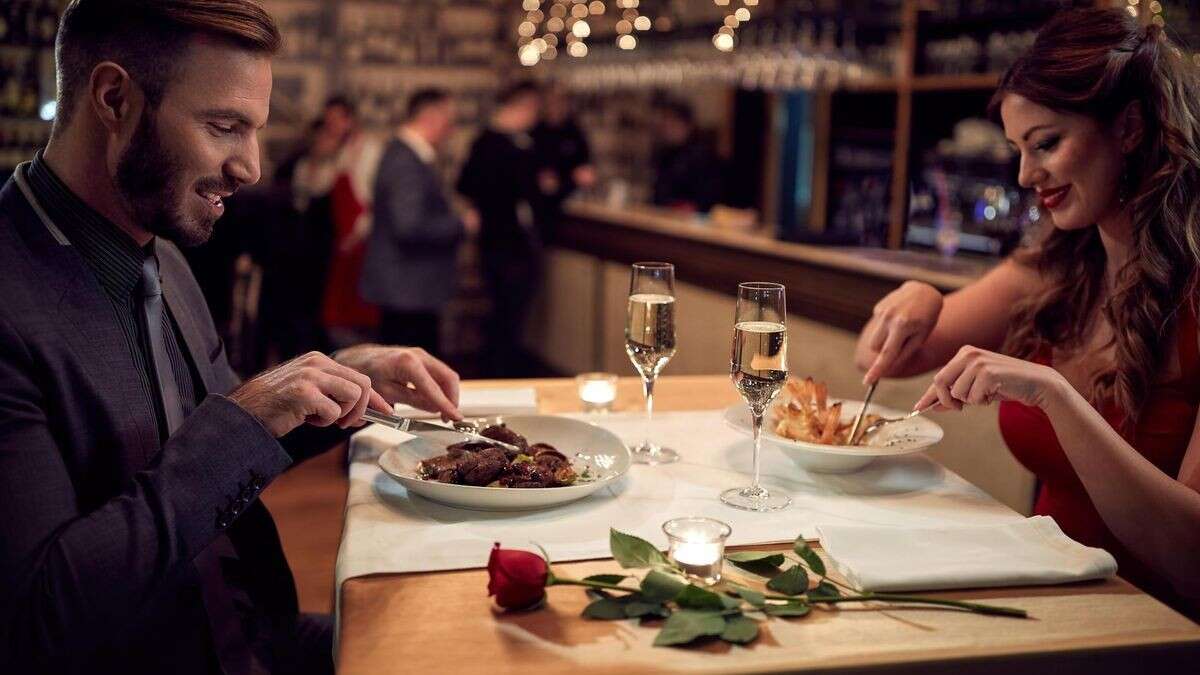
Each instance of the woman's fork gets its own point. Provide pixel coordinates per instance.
(884, 421)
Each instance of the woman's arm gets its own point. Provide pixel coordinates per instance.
(912, 331)
(1155, 515)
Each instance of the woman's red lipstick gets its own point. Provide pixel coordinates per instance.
(1053, 197)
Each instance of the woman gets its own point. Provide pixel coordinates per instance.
(1089, 339)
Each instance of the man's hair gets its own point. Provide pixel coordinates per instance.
(341, 101)
(147, 38)
(425, 98)
(516, 91)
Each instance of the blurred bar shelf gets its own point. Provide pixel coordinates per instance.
(956, 82)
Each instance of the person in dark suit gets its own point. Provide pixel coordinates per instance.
(563, 156)
(687, 173)
(499, 178)
(413, 246)
(132, 539)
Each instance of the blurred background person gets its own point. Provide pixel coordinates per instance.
(336, 181)
(409, 270)
(563, 158)
(687, 170)
(499, 178)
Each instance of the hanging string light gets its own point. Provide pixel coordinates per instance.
(725, 39)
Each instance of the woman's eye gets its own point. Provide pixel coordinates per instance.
(1048, 144)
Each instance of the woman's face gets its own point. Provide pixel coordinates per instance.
(1074, 162)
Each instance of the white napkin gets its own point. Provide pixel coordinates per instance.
(1030, 552)
(485, 403)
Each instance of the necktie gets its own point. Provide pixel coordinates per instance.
(233, 652)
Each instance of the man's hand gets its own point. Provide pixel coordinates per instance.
(407, 375)
(311, 389)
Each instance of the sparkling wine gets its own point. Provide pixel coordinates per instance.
(758, 361)
(650, 332)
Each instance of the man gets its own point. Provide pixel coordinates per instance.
(500, 179)
(563, 157)
(413, 246)
(131, 536)
(687, 171)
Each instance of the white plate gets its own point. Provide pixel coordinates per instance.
(609, 456)
(898, 438)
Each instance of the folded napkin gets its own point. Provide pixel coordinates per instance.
(485, 403)
(1030, 552)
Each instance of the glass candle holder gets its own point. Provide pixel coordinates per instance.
(597, 391)
(697, 545)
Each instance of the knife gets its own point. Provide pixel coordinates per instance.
(409, 425)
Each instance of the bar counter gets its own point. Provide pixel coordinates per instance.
(835, 285)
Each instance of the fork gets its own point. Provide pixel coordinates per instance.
(884, 421)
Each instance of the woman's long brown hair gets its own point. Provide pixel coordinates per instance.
(1095, 62)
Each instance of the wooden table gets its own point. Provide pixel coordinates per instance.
(444, 622)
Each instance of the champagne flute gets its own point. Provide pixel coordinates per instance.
(758, 367)
(650, 340)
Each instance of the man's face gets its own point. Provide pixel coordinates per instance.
(441, 121)
(200, 145)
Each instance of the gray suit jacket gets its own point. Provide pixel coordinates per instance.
(410, 261)
(99, 522)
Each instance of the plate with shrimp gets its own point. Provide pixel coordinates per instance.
(814, 429)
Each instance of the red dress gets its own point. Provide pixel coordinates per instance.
(342, 306)
(1161, 436)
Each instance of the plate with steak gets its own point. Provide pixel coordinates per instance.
(560, 460)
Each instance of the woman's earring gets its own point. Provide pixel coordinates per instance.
(1123, 183)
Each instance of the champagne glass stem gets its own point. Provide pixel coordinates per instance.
(648, 388)
(757, 418)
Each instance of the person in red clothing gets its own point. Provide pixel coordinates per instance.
(1089, 338)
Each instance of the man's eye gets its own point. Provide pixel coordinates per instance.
(222, 129)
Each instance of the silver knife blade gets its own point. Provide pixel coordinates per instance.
(412, 426)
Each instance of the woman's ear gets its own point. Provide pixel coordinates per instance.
(1130, 126)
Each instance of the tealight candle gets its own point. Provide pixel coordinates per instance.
(697, 545)
(597, 391)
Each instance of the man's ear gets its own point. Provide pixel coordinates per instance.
(1130, 126)
(112, 95)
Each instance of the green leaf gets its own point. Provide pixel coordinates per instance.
(740, 629)
(730, 603)
(635, 610)
(694, 597)
(750, 595)
(824, 590)
(789, 609)
(607, 578)
(661, 587)
(631, 551)
(688, 624)
(792, 582)
(808, 555)
(764, 557)
(605, 609)
(767, 567)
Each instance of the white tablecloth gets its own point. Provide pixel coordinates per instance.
(389, 532)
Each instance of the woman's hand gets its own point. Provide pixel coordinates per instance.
(900, 324)
(978, 377)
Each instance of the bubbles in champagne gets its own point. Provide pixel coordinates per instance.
(758, 362)
(650, 332)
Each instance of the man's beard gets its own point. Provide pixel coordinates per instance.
(147, 178)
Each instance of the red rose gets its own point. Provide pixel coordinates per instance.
(516, 578)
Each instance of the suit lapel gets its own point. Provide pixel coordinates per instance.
(95, 338)
(86, 321)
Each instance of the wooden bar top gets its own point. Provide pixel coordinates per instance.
(444, 622)
(893, 265)
(838, 286)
